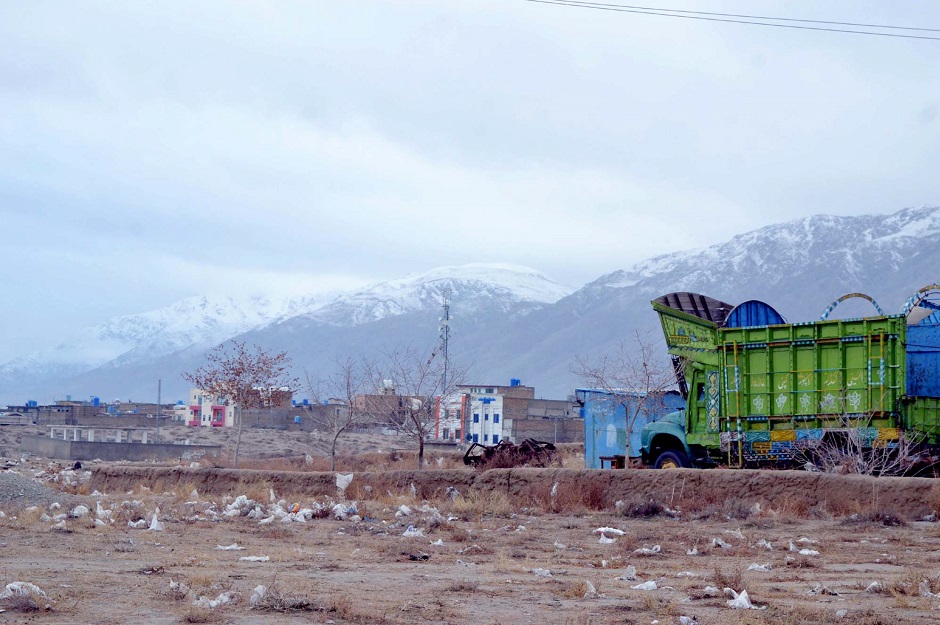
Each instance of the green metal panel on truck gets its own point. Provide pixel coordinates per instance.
(761, 393)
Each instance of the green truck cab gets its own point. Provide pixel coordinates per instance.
(760, 391)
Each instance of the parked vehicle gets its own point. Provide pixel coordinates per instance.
(760, 391)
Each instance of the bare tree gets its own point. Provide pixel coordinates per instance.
(349, 378)
(856, 449)
(413, 382)
(247, 377)
(631, 376)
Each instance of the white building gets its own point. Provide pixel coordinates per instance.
(208, 411)
(485, 416)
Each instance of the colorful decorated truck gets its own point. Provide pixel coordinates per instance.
(760, 391)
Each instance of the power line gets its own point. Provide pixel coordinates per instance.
(705, 17)
(756, 17)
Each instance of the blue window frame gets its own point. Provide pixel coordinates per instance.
(486, 437)
(476, 417)
(495, 438)
(495, 418)
(486, 417)
(476, 438)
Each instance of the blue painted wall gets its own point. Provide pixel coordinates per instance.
(605, 423)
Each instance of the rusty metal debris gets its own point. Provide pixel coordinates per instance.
(530, 452)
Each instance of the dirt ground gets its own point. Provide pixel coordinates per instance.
(496, 561)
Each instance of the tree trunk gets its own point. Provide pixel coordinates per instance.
(238, 435)
(333, 452)
(420, 452)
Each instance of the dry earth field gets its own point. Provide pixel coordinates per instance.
(484, 556)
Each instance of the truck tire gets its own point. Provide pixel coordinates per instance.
(672, 459)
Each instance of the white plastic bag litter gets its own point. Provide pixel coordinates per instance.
(343, 480)
(258, 594)
(254, 559)
(629, 575)
(741, 601)
(21, 589)
(761, 568)
(650, 585)
(232, 547)
(648, 551)
(413, 532)
(155, 524)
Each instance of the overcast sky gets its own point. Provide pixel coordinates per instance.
(153, 151)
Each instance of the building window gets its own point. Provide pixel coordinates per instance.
(490, 391)
(495, 418)
(476, 417)
(495, 438)
(476, 438)
(486, 437)
(486, 417)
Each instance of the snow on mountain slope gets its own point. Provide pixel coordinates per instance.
(835, 254)
(203, 321)
(502, 284)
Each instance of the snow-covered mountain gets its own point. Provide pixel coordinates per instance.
(508, 321)
(198, 323)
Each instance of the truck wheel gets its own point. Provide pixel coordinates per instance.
(672, 459)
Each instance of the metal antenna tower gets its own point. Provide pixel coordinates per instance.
(444, 328)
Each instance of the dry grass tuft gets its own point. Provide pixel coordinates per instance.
(278, 598)
(728, 578)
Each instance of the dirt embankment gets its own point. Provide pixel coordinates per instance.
(794, 491)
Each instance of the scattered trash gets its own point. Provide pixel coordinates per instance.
(21, 589)
(138, 524)
(258, 595)
(762, 568)
(711, 591)
(842, 613)
(78, 512)
(225, 597)
(924, 588)
(686, 574)
(542, 572)
(763, 543)
(452, 492)
(554, 492)
(718, 542)
(650, 585)
(644, 551)
(629, 575)
(155, 524)
(232, 547)
(875, 587)
(819, 589)
(609, 530)
(689, 620)
(438, 543)
(403, 510)
(343, 480)
(803, 552)
(589, 590)
(413, 532)
(254, 559)
(606, 541)
(741, 601)
(692, 552)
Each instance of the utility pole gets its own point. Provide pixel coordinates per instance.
(159, 407)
